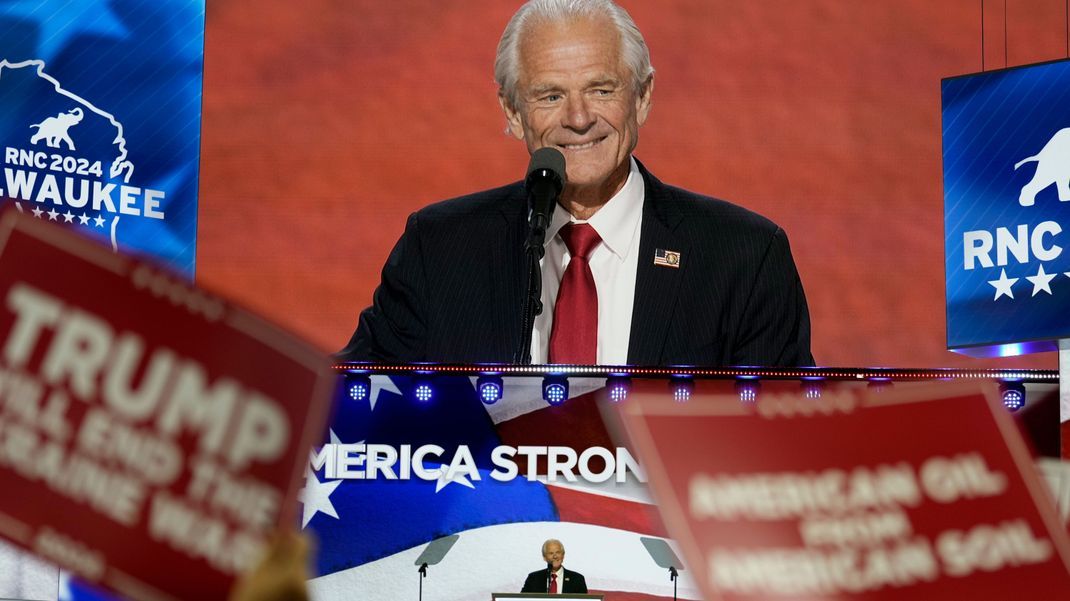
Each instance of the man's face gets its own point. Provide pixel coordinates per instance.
(555, 554)
(577, 95)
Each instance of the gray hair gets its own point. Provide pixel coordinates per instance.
(552, 540)
(634, 51)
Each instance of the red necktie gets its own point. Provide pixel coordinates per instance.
(553, 583)
(574, 338)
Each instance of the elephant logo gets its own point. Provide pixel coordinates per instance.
(54, 130)
(1053, 167)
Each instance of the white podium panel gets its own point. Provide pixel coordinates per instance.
(540, 596)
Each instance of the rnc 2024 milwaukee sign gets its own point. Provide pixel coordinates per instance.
(100, 110)
(1006, 138)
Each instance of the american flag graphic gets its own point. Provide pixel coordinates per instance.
(371, 532)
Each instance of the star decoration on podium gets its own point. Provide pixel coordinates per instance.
(315, 497)
(1003, 285)
(334, 437)
(379, 384)
(444, 479)
(1041, 281)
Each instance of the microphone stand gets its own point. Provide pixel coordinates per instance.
(532, 305)
(673, 575)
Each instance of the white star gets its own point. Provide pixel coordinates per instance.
(83, 219)
(443, 479)
(1041, 281)
(336, 440)
(52, 215)
(316, 497)
(380, 383)
(1003, 285)
(68, 217)
(99, 221)
(37, 212)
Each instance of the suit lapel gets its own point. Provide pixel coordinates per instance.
(507, 283)
(656, 287)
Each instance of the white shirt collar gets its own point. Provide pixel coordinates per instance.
(616, 221)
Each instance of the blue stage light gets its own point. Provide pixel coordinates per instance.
(423, 392)
(811, 388)
(879, 384)
(1012, 393)
(360, 386)
(618, 387)
(490, 388)
(555, 390)
(748, 389)
(681, 387)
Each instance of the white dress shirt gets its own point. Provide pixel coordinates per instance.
(613, 263)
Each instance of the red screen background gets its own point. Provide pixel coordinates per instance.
(326, 122)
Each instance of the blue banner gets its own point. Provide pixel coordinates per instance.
(1006, 155)
(100, 113)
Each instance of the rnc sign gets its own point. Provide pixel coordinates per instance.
(1006, 137)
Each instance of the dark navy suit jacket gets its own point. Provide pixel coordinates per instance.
(452, 288)
(573, 582)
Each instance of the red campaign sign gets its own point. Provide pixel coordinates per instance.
(922, 493)
(151, 434)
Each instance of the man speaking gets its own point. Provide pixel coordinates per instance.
(554, 578)
(635, 271)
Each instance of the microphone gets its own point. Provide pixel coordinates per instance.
(545, 179)
(544, 182)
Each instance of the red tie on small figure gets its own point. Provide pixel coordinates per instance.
(553, 583)
(574, 337)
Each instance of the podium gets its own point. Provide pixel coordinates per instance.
(505, 457)
(534, 596)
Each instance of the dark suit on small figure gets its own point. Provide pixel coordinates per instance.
(571, 582)
(452, 288)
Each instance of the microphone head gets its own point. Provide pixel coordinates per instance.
(547, 163)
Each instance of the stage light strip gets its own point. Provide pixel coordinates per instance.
(1030, 376)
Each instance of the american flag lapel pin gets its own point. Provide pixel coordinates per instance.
(667, 258)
